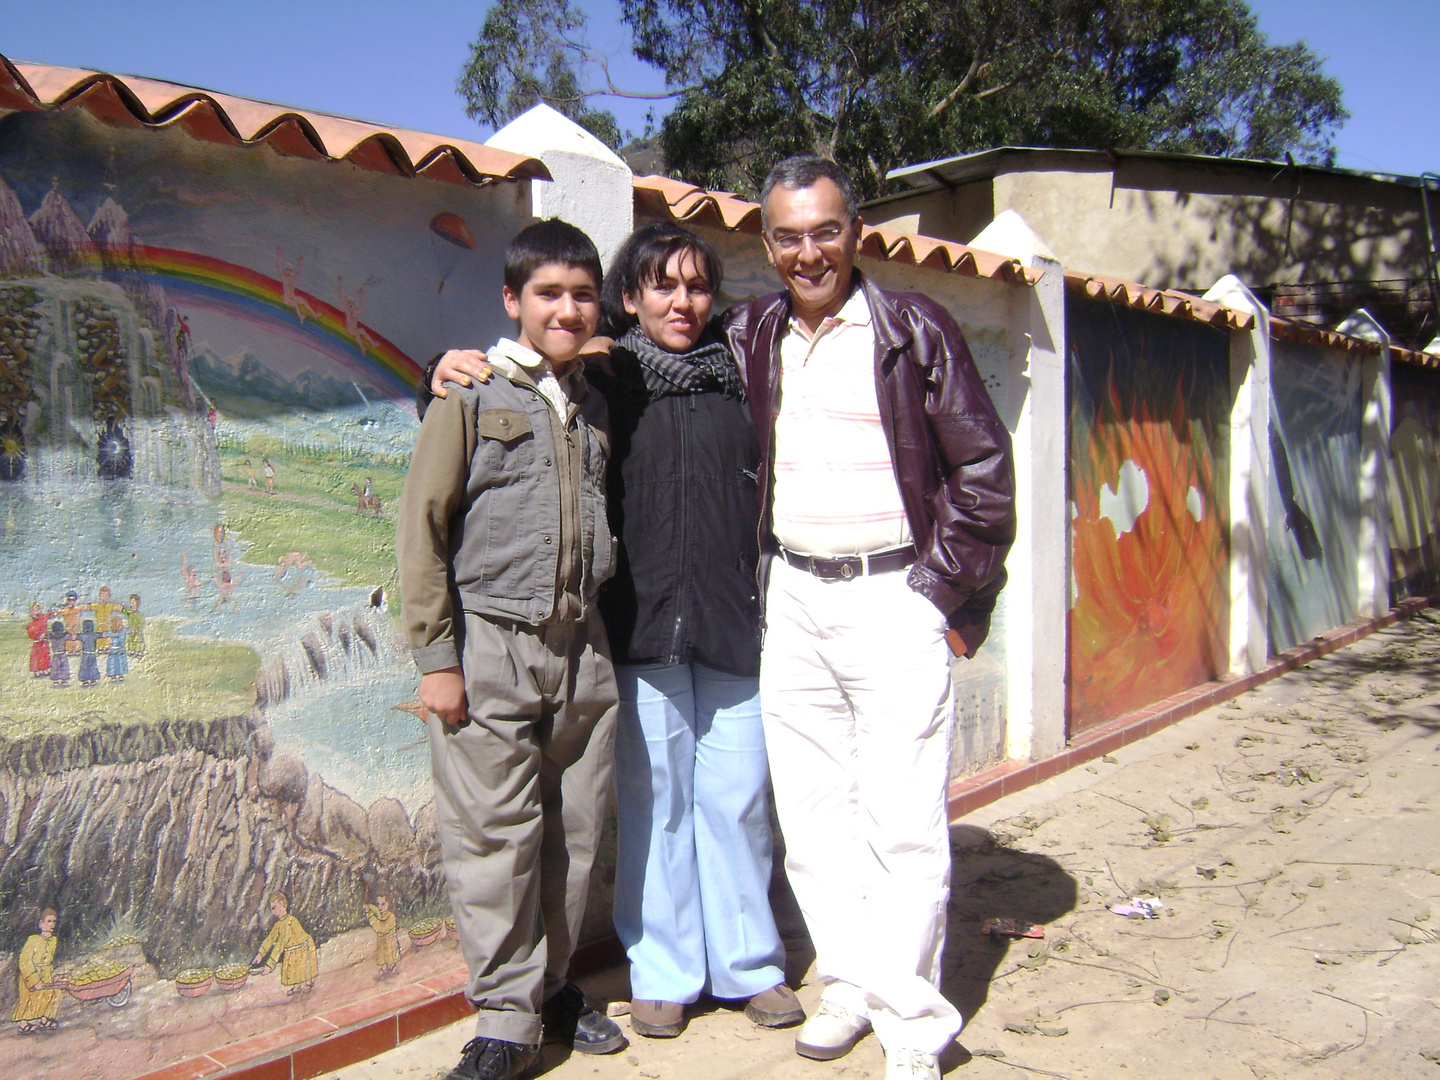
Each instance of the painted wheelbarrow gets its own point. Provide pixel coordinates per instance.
(114, 991)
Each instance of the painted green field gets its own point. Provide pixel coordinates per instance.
(314, 510)
(177, 678)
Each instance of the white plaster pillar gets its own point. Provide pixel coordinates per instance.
(1249, 478)
(592, 188)
(1039, 563)
(1373, 564)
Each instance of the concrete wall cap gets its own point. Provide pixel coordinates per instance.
(542, 129)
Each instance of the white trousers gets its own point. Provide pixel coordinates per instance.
(855, 690)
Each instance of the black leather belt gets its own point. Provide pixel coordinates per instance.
(845, 567)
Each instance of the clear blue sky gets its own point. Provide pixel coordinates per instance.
(396, 63)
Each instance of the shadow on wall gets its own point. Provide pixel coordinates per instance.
(1270, 239)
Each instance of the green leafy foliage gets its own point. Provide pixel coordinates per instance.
(531, 51)
(876, 84)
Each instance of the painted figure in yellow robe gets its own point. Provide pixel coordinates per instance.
(387, 943)
(37, 1008)
(291, 947)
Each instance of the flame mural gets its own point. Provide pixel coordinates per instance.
(1147, 475)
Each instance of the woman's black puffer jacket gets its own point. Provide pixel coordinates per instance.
(682, 500)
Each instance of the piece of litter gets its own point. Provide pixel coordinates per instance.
(1012, 928)
(1139, 907)
(1162, 996)
(618, 1008)
(987, 1053)
(1052, 1032)
(1208, 873)
(1021, 1029)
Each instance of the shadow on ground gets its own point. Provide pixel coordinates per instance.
(989, 880)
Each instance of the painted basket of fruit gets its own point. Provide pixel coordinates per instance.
(426, 931)
(450, 927)
(231, 976)
(192, 982)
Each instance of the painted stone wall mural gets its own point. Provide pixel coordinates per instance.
(1314, 491)
(1148, 399)
(1414, 482)
(214, 786)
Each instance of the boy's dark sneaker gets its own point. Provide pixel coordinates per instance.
(494, 1059)
(568, 1018)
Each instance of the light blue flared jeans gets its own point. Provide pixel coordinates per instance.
(693, 866)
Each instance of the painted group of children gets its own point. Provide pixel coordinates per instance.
(71, 641)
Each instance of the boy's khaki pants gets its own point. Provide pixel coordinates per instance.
(520, 796)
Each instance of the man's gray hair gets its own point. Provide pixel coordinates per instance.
(803, 171)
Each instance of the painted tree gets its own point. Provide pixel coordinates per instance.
(881, 83)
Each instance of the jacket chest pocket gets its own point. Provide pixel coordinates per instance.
(507, 444)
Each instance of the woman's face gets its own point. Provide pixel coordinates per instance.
(673, 311)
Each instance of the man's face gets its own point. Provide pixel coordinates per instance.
(47, 925)
(817, 274)
(557, 309)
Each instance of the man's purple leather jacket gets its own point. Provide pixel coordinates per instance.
(950, 450)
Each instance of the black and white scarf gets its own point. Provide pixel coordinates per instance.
(706, 367)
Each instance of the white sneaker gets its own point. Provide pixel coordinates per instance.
(831, 1033)
(911, 1065)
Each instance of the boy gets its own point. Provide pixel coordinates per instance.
(502, 544)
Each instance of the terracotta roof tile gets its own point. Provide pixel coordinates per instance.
(130, 101)
(660, 196)
(1172, 302)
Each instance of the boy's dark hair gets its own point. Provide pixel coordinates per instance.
(641, 261)
(550, 241)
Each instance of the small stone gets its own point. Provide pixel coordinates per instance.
(1110, 759)
(1162, 996)
(1317, 883)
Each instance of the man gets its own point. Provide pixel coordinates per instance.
(887, 485)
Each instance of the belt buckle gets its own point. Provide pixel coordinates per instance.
(846, 570)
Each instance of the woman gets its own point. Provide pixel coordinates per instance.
(683, 616)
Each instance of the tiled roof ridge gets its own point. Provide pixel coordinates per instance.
(132, 101)
(1188, 306)
(1172, 302)
(680, 201)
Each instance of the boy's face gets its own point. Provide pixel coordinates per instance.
(557, 309)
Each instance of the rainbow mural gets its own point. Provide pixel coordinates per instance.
(243, 293)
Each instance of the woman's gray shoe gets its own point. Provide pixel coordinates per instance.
(494, 1059)
(657, 1019)
(568, 1018)
(777, 1007)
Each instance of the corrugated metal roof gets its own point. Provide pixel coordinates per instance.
(660, 196)
(131, 101)
(984, 164)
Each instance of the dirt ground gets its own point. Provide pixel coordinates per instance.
(1291, 836)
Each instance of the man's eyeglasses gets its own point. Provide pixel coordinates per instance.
(825, 236)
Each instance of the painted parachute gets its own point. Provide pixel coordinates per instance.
(450, 238)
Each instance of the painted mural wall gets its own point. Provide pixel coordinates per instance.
(1314, 527)
(1414, 482)
(982, 310)
(214, 787)
(1147, 448)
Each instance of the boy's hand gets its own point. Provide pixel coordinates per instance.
(460, 366)
(443, 693)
